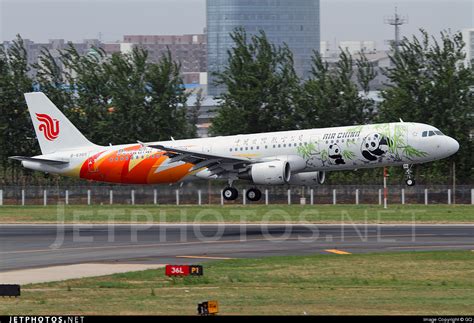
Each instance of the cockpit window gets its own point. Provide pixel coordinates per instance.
(432, 133)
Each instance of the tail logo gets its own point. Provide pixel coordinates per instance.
(49, 126)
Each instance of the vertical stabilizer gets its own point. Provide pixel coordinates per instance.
(54, 131)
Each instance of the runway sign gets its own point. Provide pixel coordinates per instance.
(10, 290)
(196, 270)
(183, 270)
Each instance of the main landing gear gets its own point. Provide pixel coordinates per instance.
(231, 194)
(409, 180)
(254, 194)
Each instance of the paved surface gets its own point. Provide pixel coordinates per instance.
(57, 273)
(29, 246)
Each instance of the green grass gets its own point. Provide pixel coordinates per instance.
(237, 214)
(422, 283)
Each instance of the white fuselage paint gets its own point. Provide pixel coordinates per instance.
(327, 149)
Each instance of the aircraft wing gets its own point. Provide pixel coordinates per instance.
(215, 163)
(40, 160)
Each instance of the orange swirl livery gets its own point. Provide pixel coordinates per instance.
(48, 126)
(299, 157)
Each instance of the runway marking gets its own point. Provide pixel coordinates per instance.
(205, 257)
(339, 252)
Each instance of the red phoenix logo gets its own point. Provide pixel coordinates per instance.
(49, 126)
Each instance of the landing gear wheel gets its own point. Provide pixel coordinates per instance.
(254, 194)
(409, 175)
(230, 194)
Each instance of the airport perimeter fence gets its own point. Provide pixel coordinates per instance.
(192, 194)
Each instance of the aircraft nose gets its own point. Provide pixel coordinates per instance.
(452, 145)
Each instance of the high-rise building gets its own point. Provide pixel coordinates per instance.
(294, 22)
(468, 38)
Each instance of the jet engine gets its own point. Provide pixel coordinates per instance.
(269, 173)
(311, 178)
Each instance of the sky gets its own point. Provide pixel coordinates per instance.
(75, 20)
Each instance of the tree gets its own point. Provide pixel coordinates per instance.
(16, 130)
(125, 97)
(51, 79)
(331, 98)
(429, 84)
(166, 105)
(194, 112)
(262, 87)
(126, 89)
(88, 83)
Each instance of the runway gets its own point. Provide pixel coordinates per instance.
(30, 246)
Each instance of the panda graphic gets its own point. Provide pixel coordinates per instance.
(375, 146)
(334, 152)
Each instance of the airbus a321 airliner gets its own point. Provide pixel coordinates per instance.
(300, 157)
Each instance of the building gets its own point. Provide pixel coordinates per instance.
(55, 46)
(296, 23)
(354, 47)
(189, 50)
(468, 38)
(357, 46)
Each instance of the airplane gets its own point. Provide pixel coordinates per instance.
(299, 157)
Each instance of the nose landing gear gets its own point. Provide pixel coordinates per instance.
(409, 180)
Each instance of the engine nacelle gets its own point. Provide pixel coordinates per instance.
(271, 173)
(311, 178)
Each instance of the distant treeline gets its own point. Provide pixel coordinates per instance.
(123, 98)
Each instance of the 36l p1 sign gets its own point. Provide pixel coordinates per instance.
(177, 270)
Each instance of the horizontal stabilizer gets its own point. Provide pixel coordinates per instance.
(40, 160)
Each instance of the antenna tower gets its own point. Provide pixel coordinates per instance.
(397, 21)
